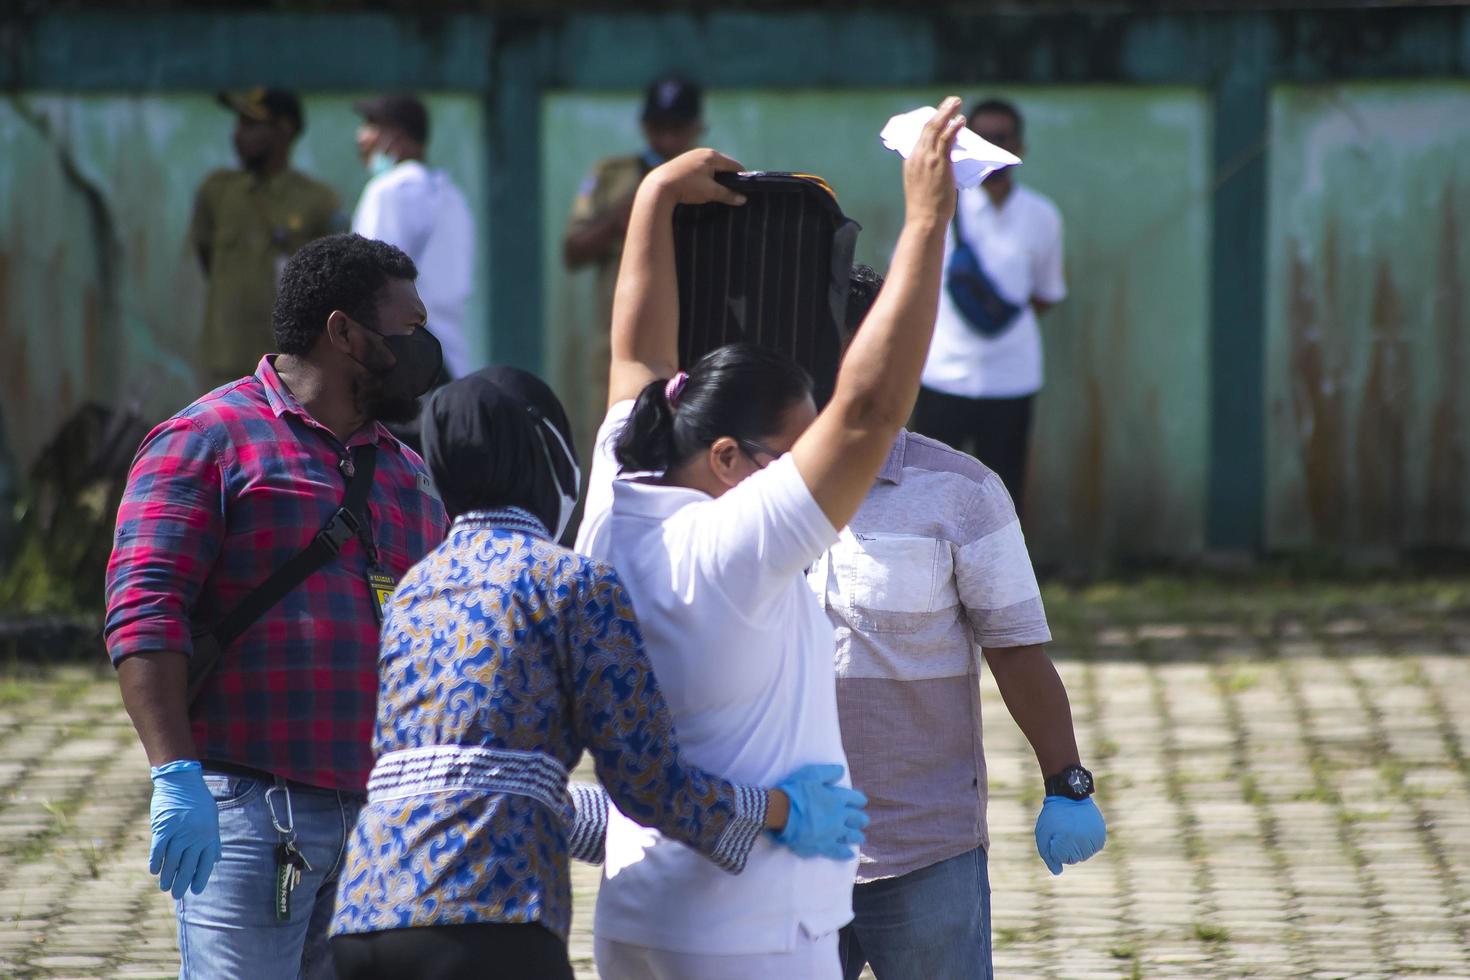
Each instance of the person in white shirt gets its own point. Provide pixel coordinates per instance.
(417, 208)
(1003, 268)
(731, 485)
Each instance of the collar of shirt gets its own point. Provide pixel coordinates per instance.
(501, 519)
(282, 402)
(892, 471)
(657, 500)
(986, 203)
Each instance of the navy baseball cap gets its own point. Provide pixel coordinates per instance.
(673, 100)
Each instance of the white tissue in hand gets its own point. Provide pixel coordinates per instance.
(974, 159)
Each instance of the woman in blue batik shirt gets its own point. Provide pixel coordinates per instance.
(503, 656)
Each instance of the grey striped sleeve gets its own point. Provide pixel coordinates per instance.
(739, 836)
(587, 837)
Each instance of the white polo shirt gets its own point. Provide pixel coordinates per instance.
(1020, 246)
(422, 212)
(743, 654)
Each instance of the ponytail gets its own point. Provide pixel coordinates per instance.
(646, 442)
(739, 391)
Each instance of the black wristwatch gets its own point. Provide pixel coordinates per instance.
(1073, 782)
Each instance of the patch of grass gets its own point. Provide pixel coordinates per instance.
(1105, 749)
(1250, 791)
(40, 844)
(1014, 935)
(1393, 772)
(15, 692)
(1123, 951)
(92, 857)
(1314, 794)
(1207, 932)
(1241, 679)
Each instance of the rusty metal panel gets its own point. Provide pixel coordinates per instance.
(1368, 328)
(99, 297)
(1120, 447)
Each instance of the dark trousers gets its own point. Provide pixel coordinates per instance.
(996, 431)
(494, 950)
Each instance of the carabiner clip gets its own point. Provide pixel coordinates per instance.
(288, 831)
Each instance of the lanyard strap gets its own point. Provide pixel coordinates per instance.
(350, 519)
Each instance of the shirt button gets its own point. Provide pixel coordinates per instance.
(348, 470)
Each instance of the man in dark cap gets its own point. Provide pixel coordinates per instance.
(672, 122)
(247, 223)
(419, 209)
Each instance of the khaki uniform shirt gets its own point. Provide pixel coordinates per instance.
(612, 180)
(249, 226)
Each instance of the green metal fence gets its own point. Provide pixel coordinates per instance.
(1266, 322)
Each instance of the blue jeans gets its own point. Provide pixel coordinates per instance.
(231, 929)
(930, 924)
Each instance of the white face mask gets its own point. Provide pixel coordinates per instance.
(568, 500)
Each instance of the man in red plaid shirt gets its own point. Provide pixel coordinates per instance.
(257, 781)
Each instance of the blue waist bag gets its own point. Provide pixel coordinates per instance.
(983, 307)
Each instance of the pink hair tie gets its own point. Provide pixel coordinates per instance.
(675, 388)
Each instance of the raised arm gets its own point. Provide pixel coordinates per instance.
(840, 454)
(645, 321)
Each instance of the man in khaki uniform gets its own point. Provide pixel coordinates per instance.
(672, 122)
(247, 223)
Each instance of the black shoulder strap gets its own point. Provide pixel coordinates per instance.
(346, 522)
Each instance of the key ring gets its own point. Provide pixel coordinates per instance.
(288, 831)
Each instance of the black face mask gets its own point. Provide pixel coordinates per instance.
(392, 394)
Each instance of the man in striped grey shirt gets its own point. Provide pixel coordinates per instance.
(932, 571)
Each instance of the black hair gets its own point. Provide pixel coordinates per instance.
(339, 272)
(863, 284)
(739, 390)
(486, 444)
(1000, 106)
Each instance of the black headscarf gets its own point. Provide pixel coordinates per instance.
(482, 447)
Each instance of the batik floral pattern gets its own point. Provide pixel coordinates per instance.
(501, 639)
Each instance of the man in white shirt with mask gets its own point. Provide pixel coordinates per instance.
(418, 209)
(1003, 269)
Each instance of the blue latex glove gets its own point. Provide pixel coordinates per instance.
(185, 827)
(1069, 831)
(826, 820)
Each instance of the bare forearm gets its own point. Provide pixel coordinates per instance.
(880, 372)
(646, 303)
(841, 453)
(1037, 699)
(155, 692)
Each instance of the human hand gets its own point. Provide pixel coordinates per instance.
(1069, 831)
(689, 178)
(185, 826)
(825, 820)
(928, 174)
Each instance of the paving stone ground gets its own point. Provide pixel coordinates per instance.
(1283, 769)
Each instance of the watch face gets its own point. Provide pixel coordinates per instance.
(1080, 781)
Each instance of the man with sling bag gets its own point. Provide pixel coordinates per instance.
(1003, 269)
(261, 528)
